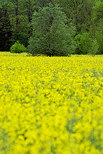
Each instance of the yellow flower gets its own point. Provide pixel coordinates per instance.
(51, 105)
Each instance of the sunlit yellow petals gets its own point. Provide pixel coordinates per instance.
(51, 105)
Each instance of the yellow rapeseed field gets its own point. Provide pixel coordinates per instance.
(51, 105)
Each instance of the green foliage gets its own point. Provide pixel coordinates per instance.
(97, 25)
(51, 35)
(5, 29)
(16, 24)
(98, 11)
(19, 21)
(79, 11)
(4, 141)
(99, 38)
(94, 47)
(98, 19)
(85, 44)
(17, 48)
(70, 125)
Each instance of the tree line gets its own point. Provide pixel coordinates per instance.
(52, 27)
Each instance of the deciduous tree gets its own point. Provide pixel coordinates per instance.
(51, 35)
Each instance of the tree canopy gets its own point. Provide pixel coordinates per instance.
(51, 35)
(17, 20)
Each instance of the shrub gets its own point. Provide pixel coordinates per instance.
(85, 44)
(17, 48)
(94, 47)
(99, 38)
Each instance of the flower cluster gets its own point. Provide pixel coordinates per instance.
(51, 105)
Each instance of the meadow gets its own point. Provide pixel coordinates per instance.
(51, 105)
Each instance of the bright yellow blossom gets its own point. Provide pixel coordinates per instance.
(51, 105)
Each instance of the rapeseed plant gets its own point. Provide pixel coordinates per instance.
(51, 105)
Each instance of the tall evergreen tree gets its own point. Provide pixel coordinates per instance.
(79, 11)
(97, 24)
(5, 29)
(30, 6)
(19, 21)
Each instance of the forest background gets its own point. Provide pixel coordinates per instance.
(84, 18)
